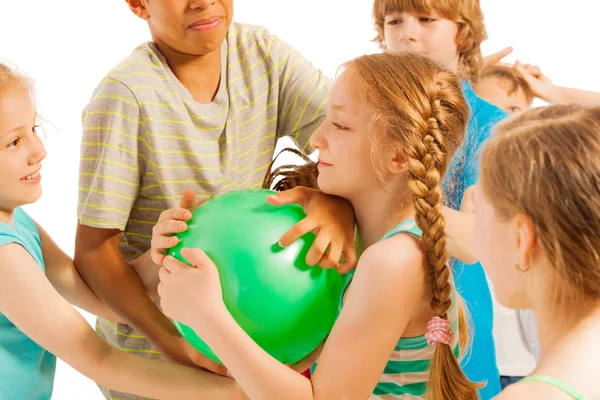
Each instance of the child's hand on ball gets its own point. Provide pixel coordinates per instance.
(170, 222)
(190, 294)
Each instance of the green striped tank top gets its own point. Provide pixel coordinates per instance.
(407, 372)
(557, 384)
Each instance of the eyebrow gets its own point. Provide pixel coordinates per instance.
(338, 107)
(19, 128)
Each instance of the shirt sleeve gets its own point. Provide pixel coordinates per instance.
(303, 95)
(112, 157)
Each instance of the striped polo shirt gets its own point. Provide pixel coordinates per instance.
(145, 140)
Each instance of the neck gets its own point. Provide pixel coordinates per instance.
(200, 75)
(454, 65)
(377, 212)
(565, 326)
(6, 215)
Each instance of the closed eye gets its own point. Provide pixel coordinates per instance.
(338, 126)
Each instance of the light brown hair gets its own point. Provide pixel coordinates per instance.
(421, 106)
(465, 13)
(11, 79)
(544, 164)
(511, 77)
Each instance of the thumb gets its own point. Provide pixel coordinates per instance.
(298, 195)
(188, 200)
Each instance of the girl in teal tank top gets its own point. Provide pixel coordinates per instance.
(393, 125)
(537, 234)
(38, 280)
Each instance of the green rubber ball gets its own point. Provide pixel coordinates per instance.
(285, 306)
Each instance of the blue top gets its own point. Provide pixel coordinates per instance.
(463, 170)
(479, 364)
(26, 369)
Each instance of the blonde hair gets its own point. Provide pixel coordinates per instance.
(465, 13)
(11, 79)
(421, 106)
(513, 78)
(544, 164)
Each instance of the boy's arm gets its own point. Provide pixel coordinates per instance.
(147, 272)
(42, 314)
(98, 259)
(569, 95)
(543, 88)
(459, 230)
(112, 164)
(460, 224)
(100, 263)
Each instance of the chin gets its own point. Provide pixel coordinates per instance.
(326, 186)
(32, 197)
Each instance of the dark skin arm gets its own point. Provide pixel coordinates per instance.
(113, 280)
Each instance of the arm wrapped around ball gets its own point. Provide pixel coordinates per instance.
(331, 218)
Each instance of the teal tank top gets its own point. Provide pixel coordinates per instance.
(26, 369)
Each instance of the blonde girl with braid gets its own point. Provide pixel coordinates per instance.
(392, 126)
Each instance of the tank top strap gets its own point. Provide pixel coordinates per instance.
(407, 226)
(557, 384)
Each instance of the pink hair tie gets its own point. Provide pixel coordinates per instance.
(439, 330)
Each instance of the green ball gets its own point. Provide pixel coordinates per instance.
(285, 306)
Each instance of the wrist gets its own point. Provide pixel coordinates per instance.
(213, 322)
(162, 334)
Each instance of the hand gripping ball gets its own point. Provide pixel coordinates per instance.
(285, 306)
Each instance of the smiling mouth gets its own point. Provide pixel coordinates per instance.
(31, 177)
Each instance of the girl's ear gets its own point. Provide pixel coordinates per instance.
(399, 162)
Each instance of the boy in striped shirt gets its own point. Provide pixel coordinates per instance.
(202, 107)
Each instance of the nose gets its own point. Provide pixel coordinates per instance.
(201, 4)
(409, 30)
(38, 151)
(317, 140)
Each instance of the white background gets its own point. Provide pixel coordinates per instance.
(67, 47)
